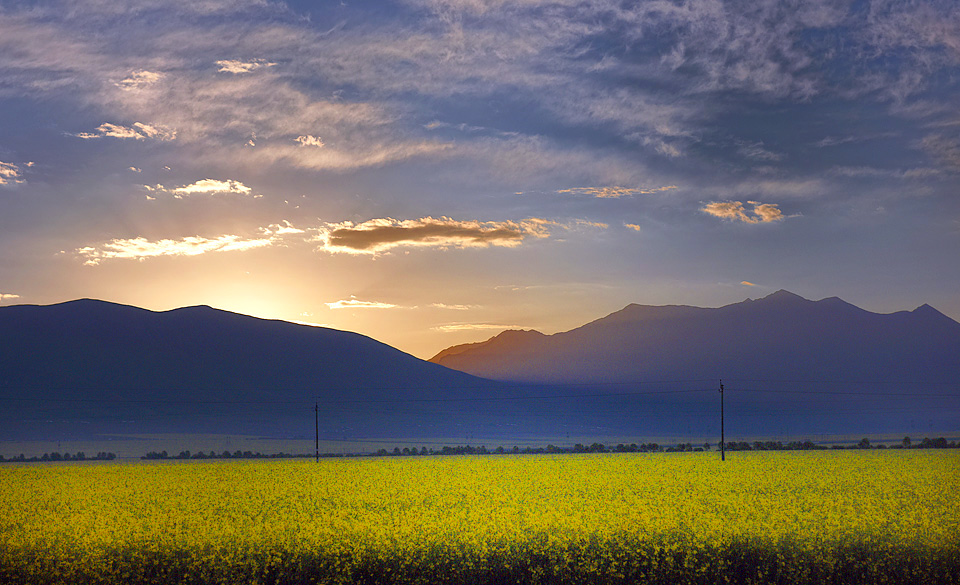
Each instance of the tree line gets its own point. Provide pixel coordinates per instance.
(865, 443)
(228, 455)
(56, 456)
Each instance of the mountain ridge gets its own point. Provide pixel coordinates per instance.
(93, 361)
(781, 327)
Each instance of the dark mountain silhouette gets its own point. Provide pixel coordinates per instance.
(809, 360)
(87, 368)
(92, 365)
(781, 336)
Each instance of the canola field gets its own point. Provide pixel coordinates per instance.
(761, 517)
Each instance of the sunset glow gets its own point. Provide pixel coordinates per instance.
(431, 173)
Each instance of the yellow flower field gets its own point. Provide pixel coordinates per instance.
(760, 517)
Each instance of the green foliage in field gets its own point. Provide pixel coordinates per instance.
(785, 517)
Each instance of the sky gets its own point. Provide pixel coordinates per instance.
(431, 172)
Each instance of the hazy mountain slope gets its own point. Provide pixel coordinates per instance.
(113, 362)
(781, 336)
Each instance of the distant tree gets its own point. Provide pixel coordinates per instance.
(906, 442)
(396, 451)
(706, 446)
(864, 443)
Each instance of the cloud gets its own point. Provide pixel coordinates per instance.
(380, 235)
(746, 283)
(138, 131)
(944, 150)
(834, 141)
(354, 303)
(633, 226)
(135, 169)
(10, 173)
(283, 228)
(138, 79)
(615, 192)
(308, 140)
(142, 248)
(735, 211)
(587, 223)
(455, 327)
(8, 297)
(757, 151)
(236, 67)
(204, 187)
(886, 173)
(453, 307)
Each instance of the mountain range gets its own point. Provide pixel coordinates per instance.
(781, 337)
(789, 365)
(91, 366)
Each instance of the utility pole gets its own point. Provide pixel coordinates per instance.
(723, 447)
(316, 416)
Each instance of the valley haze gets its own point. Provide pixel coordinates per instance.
(88, 368)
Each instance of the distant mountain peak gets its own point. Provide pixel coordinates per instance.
(783, 296)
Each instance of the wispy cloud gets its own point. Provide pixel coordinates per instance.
(237, 66)
(735, 211)
(142, 248)
(453, 307)
(758, 151)
(139, 79)
(455, 327)
(746, 283)
(886, 173)
(381, 235)
(633, 227)
(354, 303)
(138, 131)
(8, 297)
(10, 173)
(943, 149)
(615, 192)
(204, 187)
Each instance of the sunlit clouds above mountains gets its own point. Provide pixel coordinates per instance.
(534, 163)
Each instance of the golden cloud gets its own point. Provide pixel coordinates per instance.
(735, 211)
(455, 327)
(308, 140)
(204, 187)
(380, 235)
(138, 131)
(10, 173)
(354, 303)
(142, 248)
